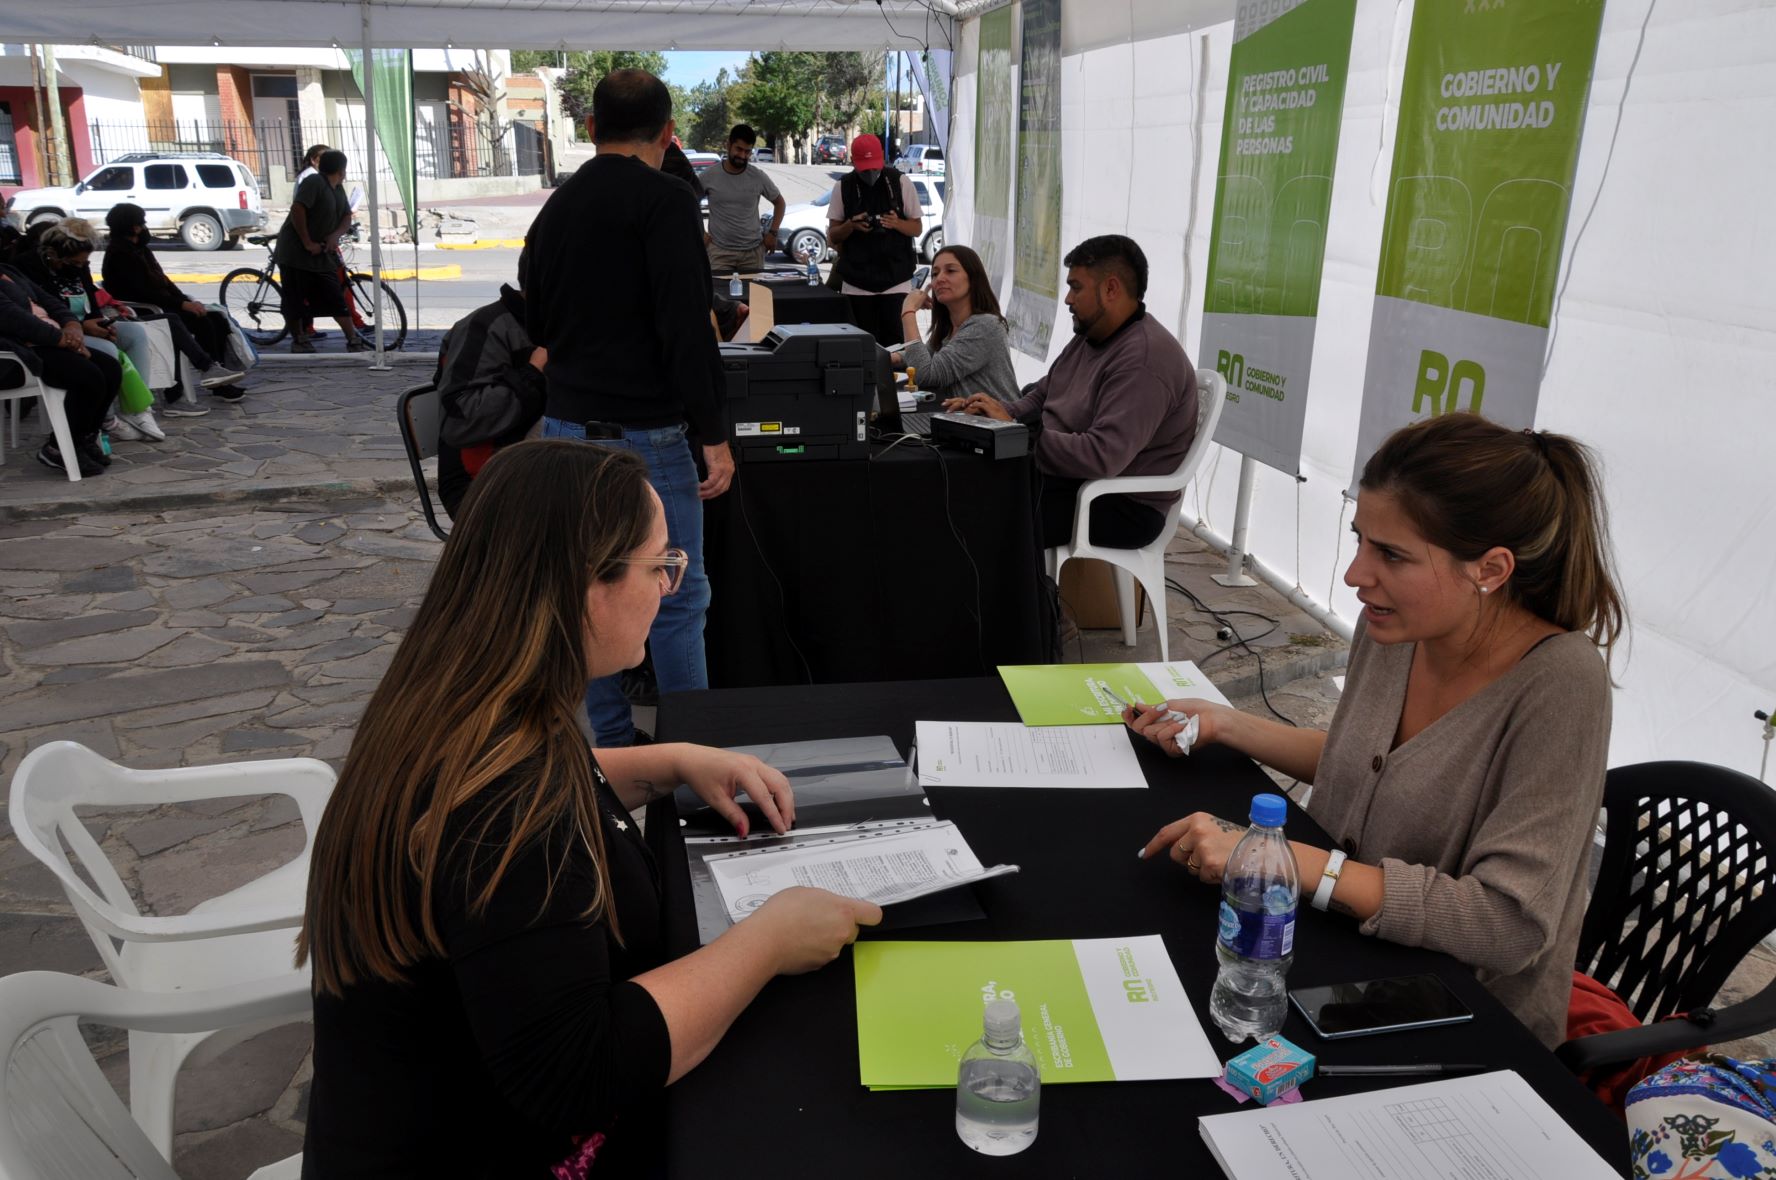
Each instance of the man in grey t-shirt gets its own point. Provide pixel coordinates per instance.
(734, 189)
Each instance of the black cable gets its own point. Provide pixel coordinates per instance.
(1221, 617)
(881, 8)
(980, 637)
(782, 595)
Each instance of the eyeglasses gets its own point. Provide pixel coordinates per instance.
(670, 565)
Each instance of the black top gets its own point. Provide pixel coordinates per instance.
(619, 293)
(882, 258)
(134, 274)
(69, 282)
(525, 1037)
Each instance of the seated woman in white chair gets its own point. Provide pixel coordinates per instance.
(1463, 770)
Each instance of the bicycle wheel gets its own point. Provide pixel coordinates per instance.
(255, 301)
(394, 316)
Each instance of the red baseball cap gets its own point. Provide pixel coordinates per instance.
(866, 152)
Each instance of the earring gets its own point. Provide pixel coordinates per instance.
(1485, 589)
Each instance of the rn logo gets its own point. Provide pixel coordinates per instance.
(1232, 367)
(1441, 384)
(1139, 991)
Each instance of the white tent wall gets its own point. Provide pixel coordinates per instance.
(1664, 341)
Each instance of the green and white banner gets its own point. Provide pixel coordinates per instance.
(1279, 145)
(1036, 285)
(995, 129)
(391, 72)
(1093, 1009)
(1491, 112)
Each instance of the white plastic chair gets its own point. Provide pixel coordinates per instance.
(54, 407)
(245, 934)
(59, 1118)
(1147, 564)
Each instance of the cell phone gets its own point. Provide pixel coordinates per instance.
(1341, 1010)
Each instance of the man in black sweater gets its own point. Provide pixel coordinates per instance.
(619, 297)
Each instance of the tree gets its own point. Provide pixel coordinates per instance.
(778, 94)
(480, 80)
(711, 114)
(585, 69)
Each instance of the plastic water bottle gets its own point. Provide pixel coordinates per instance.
(998, 1087)
(813, 272)
(1259, 896)
(735, 290)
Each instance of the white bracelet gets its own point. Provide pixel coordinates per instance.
(1329, 879)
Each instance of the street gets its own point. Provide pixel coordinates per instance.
(437, 303)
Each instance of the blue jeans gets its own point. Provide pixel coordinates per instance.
(676, 639)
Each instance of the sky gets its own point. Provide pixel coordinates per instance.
(687, 68)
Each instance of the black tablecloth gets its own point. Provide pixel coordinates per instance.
(780, 1096)
(912, 563)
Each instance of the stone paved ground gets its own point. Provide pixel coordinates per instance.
(199, 614)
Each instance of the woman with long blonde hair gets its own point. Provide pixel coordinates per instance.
(493, 993)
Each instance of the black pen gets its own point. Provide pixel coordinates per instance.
(1432, 1069)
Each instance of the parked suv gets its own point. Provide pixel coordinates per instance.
(205, 198)
(830, 149)
(921, 157)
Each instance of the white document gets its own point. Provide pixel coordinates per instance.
(880, 866)
(1486, 1127)
(1012, 754)
(1182, 678)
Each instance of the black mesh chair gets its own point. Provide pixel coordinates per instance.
(419, 412)
(1687, 887)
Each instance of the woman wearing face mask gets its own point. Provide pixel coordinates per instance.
(872, 221)
(968, 350)
(46, 336)
(1464, 767)
(134, 275)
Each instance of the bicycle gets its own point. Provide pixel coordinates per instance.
(253, 297)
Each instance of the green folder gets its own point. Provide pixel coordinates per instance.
(1094, 1010)
(1073, 694)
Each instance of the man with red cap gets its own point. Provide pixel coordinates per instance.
(872, 221)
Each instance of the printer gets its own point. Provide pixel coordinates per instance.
(804, 392)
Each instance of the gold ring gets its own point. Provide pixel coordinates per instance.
(1192, 865)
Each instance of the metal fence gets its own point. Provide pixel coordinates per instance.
(446, 144)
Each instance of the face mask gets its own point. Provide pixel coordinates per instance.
(739, 162)
(869, 176)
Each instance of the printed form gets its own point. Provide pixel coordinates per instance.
(1012, 754)
(1487, 1127)
(883, 867)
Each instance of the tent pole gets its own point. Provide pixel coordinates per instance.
(379, 363)
(1242, 515)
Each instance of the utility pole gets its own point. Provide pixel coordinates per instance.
(38, 140)
(58, 153)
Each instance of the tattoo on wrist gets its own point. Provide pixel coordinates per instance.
(650, 790)
(1338, 907)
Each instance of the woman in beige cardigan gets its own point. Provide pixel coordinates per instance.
(1463, 770)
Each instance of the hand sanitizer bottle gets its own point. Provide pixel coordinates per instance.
(998, 1087)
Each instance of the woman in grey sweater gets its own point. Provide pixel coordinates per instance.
(1463, 770)
(968, 350)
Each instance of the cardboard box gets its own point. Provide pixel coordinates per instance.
(1088, 588)
(1270, 1069)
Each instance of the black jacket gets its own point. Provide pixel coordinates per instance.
(618, 293)
(134, 275)
(74, 280)
(882, 258)
(20, 329)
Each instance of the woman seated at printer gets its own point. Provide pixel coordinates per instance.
(968, 350)
(494, 992)
(1464, 766)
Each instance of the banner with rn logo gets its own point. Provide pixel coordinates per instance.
(1491, 112)
(1279, 143)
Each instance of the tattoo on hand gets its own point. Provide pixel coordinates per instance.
(1227, 825)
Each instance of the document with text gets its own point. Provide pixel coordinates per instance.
(884, 866)
(1487, 1127)
(1011, 754)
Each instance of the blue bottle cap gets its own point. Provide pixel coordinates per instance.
(1269, 810)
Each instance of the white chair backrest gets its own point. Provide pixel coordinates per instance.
(60, 1119)
(424, 413)
(1211, 398)
(58, 777)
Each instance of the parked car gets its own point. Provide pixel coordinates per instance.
(921, 157)
(206, 199)
(763, 155)
(803, 232)
(830, 149)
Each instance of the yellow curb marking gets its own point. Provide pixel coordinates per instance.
(484, 244)
(448, 271)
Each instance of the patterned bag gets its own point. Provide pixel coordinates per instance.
(1708, 1118)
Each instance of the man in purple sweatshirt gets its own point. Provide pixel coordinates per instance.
(1119, 400)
